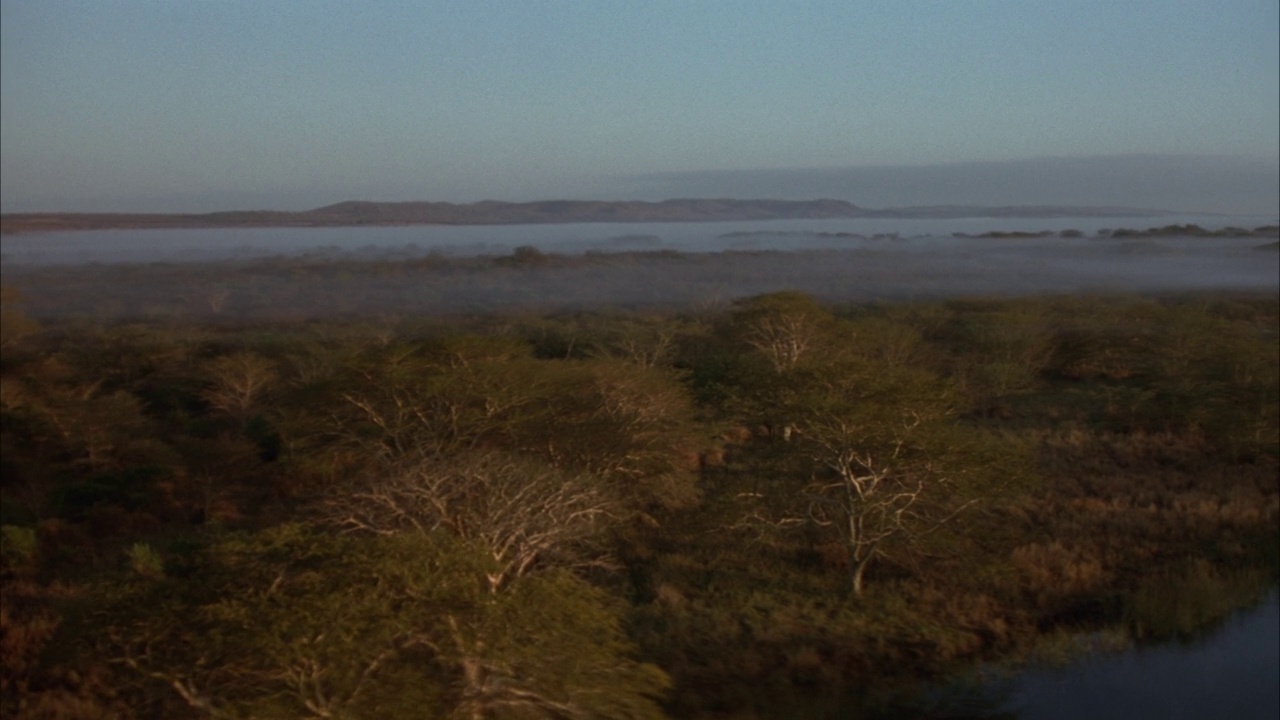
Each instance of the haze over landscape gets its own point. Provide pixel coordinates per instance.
(677, 359)
(201, 107)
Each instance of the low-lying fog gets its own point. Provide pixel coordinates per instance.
(241, 243)
(296, 273)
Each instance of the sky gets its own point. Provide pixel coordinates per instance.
(193, 106)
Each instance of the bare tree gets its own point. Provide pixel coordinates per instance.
(216, 296)
(648, 342)
(783, 327)
(239, 381)
(885, 458)
(881, 490)
(524, 513)
(631, 427)
(453, 399)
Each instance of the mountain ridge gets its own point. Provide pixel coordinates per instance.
(352, 213)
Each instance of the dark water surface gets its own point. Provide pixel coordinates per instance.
(1233, 673)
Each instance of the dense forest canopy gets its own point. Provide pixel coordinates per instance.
(614, 513)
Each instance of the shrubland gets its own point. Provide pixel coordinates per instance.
(618, 513)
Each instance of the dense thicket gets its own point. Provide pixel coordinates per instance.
(617, 514)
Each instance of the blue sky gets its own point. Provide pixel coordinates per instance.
(194, 106)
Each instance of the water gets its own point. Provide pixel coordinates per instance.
(110, 246)
(1235, 673)
(1232, 673)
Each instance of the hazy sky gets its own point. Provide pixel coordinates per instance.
(186, 106)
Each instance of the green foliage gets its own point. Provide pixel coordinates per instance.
(18, 544)
(1187, 600)
(628, 425)
(15, 325)
(287, 622)
(1000, 352)
(151, 546)
(145, 561)
(783, 328)
(1182, 367)
(131, 489)
(523, 257)
(872, 452)
(290, 622)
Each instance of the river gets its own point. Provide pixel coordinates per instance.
(1231, 673)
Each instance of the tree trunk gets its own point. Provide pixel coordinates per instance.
(473, 700)
(859, 567)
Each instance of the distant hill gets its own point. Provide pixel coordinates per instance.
(361, 213)
(353, 213)
(574, 211)
(943, 212)
(1193, 184)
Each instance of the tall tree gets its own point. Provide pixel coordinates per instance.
(785, 327)
(873, 452)
(295, 623)
(238, 383)
(524, 513)
(889, 457)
